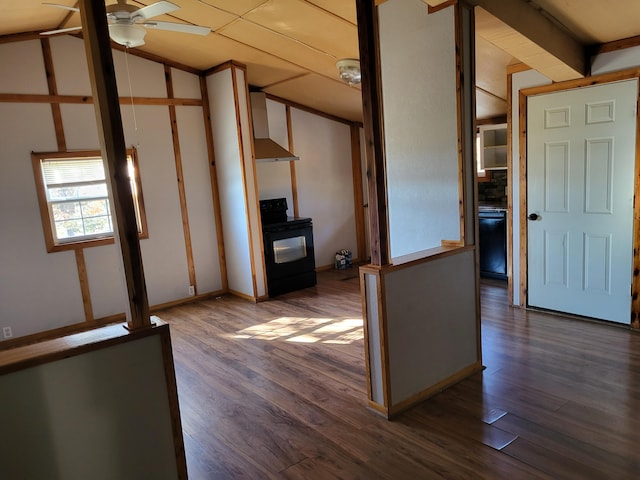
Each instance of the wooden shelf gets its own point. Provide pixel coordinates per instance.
(493, 146)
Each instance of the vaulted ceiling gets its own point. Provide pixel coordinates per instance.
(290, 46)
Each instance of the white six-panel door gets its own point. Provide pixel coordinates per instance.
(580, 169)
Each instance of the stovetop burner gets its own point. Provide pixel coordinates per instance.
(273, 213)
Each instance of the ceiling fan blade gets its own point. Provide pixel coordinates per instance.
(178, 27)
(155, 9)
(61, 30)
(64, 7)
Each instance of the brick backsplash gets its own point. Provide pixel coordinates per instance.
(494, 191)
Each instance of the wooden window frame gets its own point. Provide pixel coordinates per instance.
(45, 213)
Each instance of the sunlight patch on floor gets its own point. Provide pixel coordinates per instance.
(306, 330)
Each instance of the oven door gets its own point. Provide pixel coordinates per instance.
(289, 249)
(289, 258)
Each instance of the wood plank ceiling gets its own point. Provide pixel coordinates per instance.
(290, 46)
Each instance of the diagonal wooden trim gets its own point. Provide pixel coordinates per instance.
(285, 80)
(53, 90)
(254, 173)
(292, 164)
(358, 194)
(19, 37)
(443, 5)
(616, 45)
(84, 285)
(206, 112)
(35, 98)
(236, 104)
(304, 108)
(372, 108)
(156, 58)
(184, 213)
(490, 94)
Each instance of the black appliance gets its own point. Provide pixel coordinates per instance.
(492, 226)
(288, 248)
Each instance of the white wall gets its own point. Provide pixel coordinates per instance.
(101, 415)
(253, 209)
(437, 336)
(230, 182)
(27, 68)
(325, 183)
(41, 291)
(324, 178)
(38, 290)
(616, 60)
(420, 122)
(197, 178)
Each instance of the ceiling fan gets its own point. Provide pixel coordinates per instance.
(126, 22)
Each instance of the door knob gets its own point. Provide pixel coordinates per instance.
(533, 216)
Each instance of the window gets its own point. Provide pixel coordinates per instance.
(74, 201)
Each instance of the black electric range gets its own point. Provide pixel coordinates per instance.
(288, 248)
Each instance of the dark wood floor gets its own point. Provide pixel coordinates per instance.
(277, 390)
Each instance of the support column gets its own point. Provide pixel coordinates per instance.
(420, 293)
(114, 152)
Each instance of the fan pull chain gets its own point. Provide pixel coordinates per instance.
(133, 110)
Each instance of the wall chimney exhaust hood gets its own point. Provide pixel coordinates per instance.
(266, 150)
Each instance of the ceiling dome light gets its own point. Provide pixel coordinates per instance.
(127, 35)
(349, 69)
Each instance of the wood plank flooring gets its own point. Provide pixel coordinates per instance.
(278, 390)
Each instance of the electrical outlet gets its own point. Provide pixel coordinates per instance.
(6, 332)
(192, 290)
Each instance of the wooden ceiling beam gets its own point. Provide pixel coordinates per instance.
(525, 32)
(532, 37)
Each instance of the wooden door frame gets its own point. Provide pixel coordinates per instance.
(558, 87)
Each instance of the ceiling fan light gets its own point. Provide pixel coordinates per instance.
(127, 35)
(349, 70)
